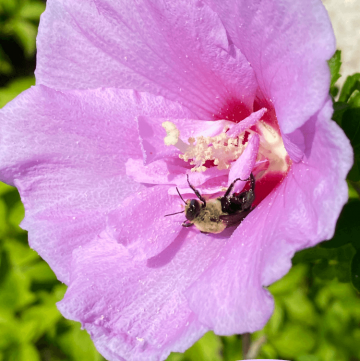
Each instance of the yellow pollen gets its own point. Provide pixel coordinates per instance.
(221, 149)
(172, 136)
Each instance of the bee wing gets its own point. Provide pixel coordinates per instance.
(233, 219)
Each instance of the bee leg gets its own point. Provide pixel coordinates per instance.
(196, 192)
(247, 198)
(241, 202)
(231, 186)
(252, 180)
(187, 224)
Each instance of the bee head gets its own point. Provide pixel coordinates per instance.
(192, 209)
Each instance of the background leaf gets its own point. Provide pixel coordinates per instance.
(355, 270)
(334, 65)
(32, 10)
(351, 84)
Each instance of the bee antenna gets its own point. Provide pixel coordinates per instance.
(173, 214)
(180, 195)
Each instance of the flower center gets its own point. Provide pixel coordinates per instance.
(220, 149)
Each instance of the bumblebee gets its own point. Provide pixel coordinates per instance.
(214, 215)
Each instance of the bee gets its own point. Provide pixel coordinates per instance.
(214, 215)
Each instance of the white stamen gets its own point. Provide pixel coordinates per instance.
(224, 150)
(221, 149)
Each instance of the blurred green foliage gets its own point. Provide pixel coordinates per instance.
(314, 320)
(347, 112)
(317, 307)
(14, 88)
(19, 20)
(31, 327)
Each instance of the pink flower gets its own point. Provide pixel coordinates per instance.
(85, 147)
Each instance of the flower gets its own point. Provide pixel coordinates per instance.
(234, 87)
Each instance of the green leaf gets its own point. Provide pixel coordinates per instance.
(308, 358)
(40, 272)
(25, 32)
(38, 319)
(335, 64)
(15, 291)
(3, 213)
(232, 349)
(329, 352)
(5, 64)
(9, 7)
(4, 188)
(355, 270)
(290, 281)
(208, 348)
(353, 194)
(176, 357)
(328, 263)
(347, 115)
(4, 265)
(336, 291)
(11, 198)
(351, 126)
(337, 265)
(347, 227)
(354, 174)
(299, 308)
(32, 10)
(14, 88)
(310, 255)
(276, 321)
(293, 341)
(16, 215)
(77, 344)
(9, 329)
(351, 84)
(354, 99)
(339, 110)
(24, 352)
(337, 318)
(21, 255)
(269, 351)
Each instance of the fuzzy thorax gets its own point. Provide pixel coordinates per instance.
(208, 220)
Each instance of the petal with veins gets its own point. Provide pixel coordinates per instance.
(136, 309)
(287, 44)
(177, 49)
(66, 153)
(140, 223)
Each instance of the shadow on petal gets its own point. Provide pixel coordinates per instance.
(225, 234)
(164, 257)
